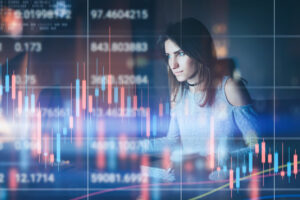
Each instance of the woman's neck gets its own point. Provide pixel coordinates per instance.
(196, 87)
(194, 82)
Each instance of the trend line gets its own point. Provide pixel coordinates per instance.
(244, 178)
(147, 185)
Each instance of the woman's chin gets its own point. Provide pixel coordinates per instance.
(179, 79)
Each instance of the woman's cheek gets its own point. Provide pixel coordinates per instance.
(183, 63)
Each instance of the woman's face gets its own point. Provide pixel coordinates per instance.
(183, 67)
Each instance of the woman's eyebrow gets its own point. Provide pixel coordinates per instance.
(175, 52)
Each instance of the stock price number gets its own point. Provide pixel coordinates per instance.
(35, 178)
(44, 14)
(29, 79)
(28, 47)
(119, 14)
(116, 178)
(121, 79)
(139, 47)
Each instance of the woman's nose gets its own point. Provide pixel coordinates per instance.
(173, 63)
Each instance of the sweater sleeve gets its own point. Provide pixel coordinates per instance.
(248, 123)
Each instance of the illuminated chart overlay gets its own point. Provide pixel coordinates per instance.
(84, 95)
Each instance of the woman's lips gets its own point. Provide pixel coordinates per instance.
(177, 73)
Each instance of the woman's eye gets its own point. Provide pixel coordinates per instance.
(181, 53)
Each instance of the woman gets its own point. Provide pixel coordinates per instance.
(210, 115)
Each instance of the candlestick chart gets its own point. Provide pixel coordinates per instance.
(84, 95)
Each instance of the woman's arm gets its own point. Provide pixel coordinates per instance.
(245, 116)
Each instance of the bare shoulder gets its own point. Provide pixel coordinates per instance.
(236, 92)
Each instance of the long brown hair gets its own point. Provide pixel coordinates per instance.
(194, 39)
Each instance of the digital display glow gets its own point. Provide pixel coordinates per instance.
(148, 99)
